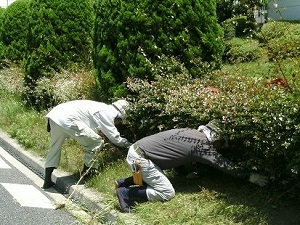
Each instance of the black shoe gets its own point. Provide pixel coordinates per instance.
(48, 185)
(48, 182)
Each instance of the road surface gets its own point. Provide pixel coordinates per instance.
(23, 201)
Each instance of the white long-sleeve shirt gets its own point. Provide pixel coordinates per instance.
(96, 115)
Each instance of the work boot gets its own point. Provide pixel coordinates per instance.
(124, 182)
(48, 182)
(126, 195)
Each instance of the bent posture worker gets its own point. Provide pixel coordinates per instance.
(170, 149)
(83, 120)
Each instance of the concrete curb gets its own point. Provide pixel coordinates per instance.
(64, 181)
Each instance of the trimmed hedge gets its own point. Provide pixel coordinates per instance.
(14, 27)
(59, 36)
(242, 50)
(128, 34)
(273, 30)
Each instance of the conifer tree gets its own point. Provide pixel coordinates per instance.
(59, 35)
(14, 30)
(130, 34)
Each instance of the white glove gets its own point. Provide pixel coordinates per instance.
(258, 179)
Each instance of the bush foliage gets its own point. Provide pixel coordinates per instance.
(65, 86)
(168, 53)
(262, 122)
(14, 27)
(282, 39)
(238, 26)
(2, 57)
(242, 50)
(59, 35)
(128, 34)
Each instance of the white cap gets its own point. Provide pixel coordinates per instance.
(121, 105)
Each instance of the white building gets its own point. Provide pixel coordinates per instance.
(5, 3)
(284, 10)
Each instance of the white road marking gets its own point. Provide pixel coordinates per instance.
(4, 165)
(28, 195)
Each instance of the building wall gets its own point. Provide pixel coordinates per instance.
(284, 10)
(5, 3)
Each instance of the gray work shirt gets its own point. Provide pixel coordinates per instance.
(172, 148)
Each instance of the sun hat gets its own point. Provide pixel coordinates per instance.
(214, 132)
(121, 105)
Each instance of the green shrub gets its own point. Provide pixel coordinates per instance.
(59, 35)
(128, 34)
(282, 39)
(2, 61)
(272, 30)
(238, 26)
(287, 46)
(229, 29)
(14, 30)
(242, 50)
(156, 106)
(262, 122)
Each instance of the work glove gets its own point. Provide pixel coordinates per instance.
(258, 179)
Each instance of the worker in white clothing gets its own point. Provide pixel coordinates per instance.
(84, 121)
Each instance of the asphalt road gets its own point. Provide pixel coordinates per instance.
(23, 201)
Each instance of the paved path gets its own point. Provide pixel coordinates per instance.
(22, 199)
(85, 198)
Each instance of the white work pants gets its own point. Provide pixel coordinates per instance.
(79, 131)
(159, 187)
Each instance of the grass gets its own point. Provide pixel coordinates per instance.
(210, 198)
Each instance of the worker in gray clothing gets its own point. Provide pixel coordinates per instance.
(151, 155)
(84, 121)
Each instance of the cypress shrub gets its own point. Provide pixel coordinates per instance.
(2, 58)
(225, 10)
(1, 43)
(59, 35)
(14, 30)
(129, 34)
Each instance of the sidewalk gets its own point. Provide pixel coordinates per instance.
(65, 182)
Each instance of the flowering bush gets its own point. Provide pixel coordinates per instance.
(62, 87)
(262, 122)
